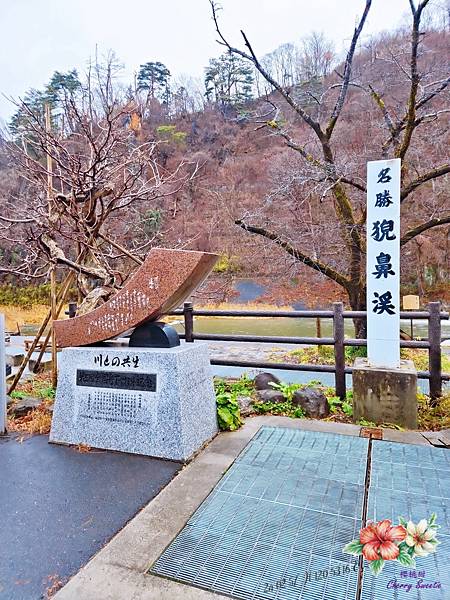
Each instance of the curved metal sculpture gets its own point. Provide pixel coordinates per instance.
(164, 280)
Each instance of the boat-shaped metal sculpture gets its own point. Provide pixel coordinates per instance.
(164, 280)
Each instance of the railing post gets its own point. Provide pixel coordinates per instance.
(339, 355)
(72, 312)
(188, 311)
(318, 331)
(434, 352)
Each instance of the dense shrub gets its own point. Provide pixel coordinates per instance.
(28, 296)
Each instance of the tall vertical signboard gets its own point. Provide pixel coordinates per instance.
(383, 263)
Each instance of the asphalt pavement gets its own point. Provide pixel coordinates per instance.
(60, 506)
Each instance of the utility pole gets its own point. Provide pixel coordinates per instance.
(48, 126)
(3, 399)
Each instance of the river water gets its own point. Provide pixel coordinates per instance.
(249, 291)
(281, 327)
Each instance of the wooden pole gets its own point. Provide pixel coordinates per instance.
(339, 351)
(318, 331)
(48, 126)
(188, 322)
(60, 306)
(3, 400)
(66, 285)
(434, 352)
(54, 317)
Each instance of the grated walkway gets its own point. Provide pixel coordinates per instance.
(274, 526)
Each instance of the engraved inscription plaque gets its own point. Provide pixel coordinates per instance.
(141, 382)
(116, 407)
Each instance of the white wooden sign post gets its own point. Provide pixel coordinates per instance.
(2, 376)
(383, 263)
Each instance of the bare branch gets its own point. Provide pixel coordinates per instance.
(412, 233)
(433, 174)
(315, 126)
(410, 116)
(347, 72)
(315, 264)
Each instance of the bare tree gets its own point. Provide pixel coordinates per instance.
(316, 57)
(323, 224)
(101, 174)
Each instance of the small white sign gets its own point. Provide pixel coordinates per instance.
(383, 263)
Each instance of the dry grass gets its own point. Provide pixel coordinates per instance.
(16, 315)
(324, 355)
(433, 419)
(38, 420)
(250, 306)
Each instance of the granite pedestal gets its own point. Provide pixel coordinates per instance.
(385, 395)
(154, 401)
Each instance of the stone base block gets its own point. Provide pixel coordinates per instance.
(153, 401)
(385, 395)
(14, 358)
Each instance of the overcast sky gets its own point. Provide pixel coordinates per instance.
(38, 37)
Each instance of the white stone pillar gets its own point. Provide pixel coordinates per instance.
(383, 263)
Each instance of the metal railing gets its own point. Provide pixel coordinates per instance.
(434, 315)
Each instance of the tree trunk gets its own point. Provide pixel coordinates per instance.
(357, 299)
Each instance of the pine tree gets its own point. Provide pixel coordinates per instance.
(228, 80)
(155, 78)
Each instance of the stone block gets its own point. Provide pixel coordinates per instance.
(385, 395)
(14, 356)
(154, 401)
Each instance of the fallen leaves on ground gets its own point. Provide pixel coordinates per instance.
(38, 420)
(54, 584)
(83, 448)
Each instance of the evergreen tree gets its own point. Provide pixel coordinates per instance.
(60, 87)
(155, 78)
(228, 80)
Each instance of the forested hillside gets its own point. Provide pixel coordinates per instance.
(234, 167)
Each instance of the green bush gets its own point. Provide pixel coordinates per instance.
(287, 389)
(228, 413)
(352, 352)
(169, 133)
(151, 221)
(227, 264)
(28, 296)
(337, 405)
(227, 392)
(286, 408)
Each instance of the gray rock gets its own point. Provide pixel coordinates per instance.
(245, 405)
(22, 406)
(262, 381)
(14, 357)
(271, 396)
(313, 402)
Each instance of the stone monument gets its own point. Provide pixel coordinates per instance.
(151, 395)
(384, 387)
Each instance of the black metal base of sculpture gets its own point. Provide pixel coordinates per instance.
(154, 334)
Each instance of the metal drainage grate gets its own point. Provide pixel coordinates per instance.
(410, 481)
(275, 525)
